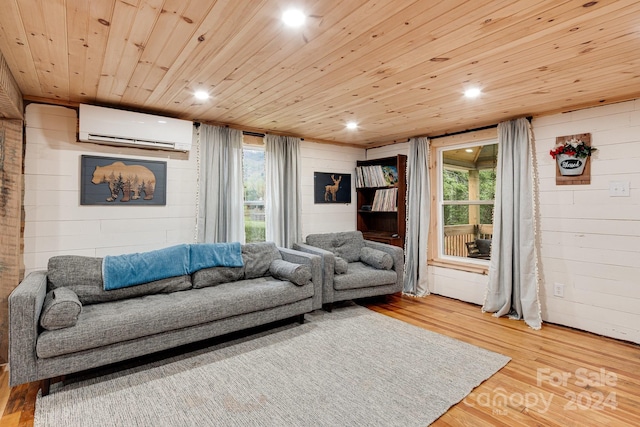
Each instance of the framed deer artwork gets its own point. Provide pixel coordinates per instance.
(331, 187)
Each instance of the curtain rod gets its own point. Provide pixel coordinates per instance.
(444, 135)
(529, 118)
(261, 135)
(245, 132)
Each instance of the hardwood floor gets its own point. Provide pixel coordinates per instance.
(556, 377)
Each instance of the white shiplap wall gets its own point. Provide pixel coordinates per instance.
(589, 240)
(56, 223)
(326, 218)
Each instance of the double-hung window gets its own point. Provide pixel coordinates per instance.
(253, 168)
(466, 193)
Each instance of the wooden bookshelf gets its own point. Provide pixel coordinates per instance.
(386, 226)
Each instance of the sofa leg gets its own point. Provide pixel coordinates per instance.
(328, 307)
(301, 319)
(46, 384)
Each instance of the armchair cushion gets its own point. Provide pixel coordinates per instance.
(341, 265)
(60, 310)
(297, 274)
(363, 276)
(377, 259)
(347, 244)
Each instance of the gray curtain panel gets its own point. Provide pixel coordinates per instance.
(513, 275)
(418, 212)
(282, 204)
(221, 197)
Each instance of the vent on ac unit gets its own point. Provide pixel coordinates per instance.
(119, 127)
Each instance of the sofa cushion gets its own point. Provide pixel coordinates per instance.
(376, 259)
(61, 309)
(83, 275)
(103, 324)
(298, 274)
(347, 244)
(341, 265)
(257, 258)
(216, 275)
(361, 275)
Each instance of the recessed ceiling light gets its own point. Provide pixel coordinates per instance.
(201, 94)
(293, 17)
(352, 125)
(472, 92)
(469, 150)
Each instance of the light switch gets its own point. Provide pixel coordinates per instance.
(619, 188)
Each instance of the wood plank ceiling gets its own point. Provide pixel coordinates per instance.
(398, 68)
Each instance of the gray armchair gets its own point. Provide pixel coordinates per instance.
(353, 267)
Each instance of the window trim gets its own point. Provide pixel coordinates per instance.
(434, 257)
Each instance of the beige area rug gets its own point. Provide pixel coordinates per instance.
(351, 367)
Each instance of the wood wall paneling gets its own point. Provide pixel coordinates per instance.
(11, 267)
(11, 106)
(398, 68)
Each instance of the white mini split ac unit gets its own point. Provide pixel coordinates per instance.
(119, 127)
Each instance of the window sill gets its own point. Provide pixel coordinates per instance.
(460, 265)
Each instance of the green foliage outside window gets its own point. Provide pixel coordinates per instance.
(456, 187)
(254, 183)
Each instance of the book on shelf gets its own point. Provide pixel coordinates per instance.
(376, 176)
(390, 175)
(385, 200)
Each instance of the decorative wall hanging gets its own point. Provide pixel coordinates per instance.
(122, 182)
(331, 187)
(572, 154)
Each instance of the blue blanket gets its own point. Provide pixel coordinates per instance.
(121, 271)
(206, 255)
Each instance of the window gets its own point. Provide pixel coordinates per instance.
(467, 181)
(254, 180)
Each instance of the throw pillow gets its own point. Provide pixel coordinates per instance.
(60, 310)
(257, 258)
(484, 246)
(345, 244)
(298, 274)
(341, 265)
(377, 259)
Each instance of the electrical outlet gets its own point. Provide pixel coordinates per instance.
(558, 290)
(619, 188)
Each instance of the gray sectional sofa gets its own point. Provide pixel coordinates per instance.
(88, 327)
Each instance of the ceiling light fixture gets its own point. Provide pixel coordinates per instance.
(293, 18)
(352, 125)
(202, 95)
(472, 92)
(469, 150)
